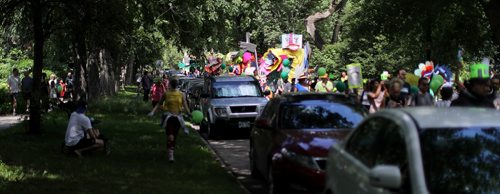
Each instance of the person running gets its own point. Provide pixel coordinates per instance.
(80, 135)
(157, 91)
(376, 95)
(27, 88)
(423, 97)
(14, 84)
(173, 104)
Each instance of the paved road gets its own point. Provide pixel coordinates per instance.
(8, 121)
(234, 154)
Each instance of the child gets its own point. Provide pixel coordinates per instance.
(157, 91)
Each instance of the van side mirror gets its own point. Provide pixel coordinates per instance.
(385, 176)
(267, 92)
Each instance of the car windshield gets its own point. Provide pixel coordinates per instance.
(319, 114)
(236, 89)
(464, 160)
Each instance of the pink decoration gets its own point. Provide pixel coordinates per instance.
(247, 57)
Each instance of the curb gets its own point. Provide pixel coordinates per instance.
(218, 158)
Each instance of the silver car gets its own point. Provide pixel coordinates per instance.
(419, 151)
(230, 103)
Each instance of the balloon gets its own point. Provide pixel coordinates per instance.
(231, 69)
(247, 57)
(436, 83)
(284, 74)
(412, 79)
(418, 72)
(414, 89)
(196, 116)
(332, 76)
(421, 66)
(223, 66)
(59, 88)
(384, 76)
(286, 63)
(321, 71)
(181, 65)
(340, 86)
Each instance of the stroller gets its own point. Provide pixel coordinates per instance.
(68, 150)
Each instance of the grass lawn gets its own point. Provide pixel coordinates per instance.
(138, 162)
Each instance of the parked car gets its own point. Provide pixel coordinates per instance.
(188, 83)
(193, 95)
(419, 151)
(290, 141)
(230, 103)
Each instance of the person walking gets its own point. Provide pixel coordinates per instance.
(302, 86)
(423, 97)
(157, 91)
(446, 93)
(376, 95)
(14, 84)
(146, 83)
(173, 104)
(325, 85)
(27, 88)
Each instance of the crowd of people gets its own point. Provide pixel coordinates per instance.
(395, 92)
(53, 91)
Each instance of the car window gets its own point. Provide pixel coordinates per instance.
(319, 114)
(236, 89)
(461, 160)
(364, 141)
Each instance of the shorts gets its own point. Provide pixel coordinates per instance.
(14, 95)
(84, 143)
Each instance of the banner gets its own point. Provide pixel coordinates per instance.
(355, 76)
(291, 41)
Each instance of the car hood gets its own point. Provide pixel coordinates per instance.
(238, 101)
(314, 143)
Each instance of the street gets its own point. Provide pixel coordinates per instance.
(234, 154)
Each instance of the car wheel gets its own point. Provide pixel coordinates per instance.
(272, 185)
(253, 163)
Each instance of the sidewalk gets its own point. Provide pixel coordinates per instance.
(9, 121)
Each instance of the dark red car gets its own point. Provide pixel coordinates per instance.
(290, 140)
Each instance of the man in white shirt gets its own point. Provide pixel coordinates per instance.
(14, 84)
(78, 126)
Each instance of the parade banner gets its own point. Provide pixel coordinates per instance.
(355, 76)
(291, 41)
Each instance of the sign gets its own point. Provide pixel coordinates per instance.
(355, 76)
(291, 41)
(246, 46)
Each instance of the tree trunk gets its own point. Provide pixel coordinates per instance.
(94, 88)
(35, 120)
(316, 17)
(338, 23)
(492, 13)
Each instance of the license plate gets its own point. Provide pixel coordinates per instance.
(242, 124)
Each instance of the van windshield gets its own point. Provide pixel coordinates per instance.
(235, 89)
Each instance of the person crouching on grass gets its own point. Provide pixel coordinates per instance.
(173, 103)
(80, 135)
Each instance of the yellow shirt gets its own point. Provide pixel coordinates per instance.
(173, 102)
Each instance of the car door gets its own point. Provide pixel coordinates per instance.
(351, 167)
(262, 138)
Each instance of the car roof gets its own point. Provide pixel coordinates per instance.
(300, 96)
(454, 117)
(232, 78)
